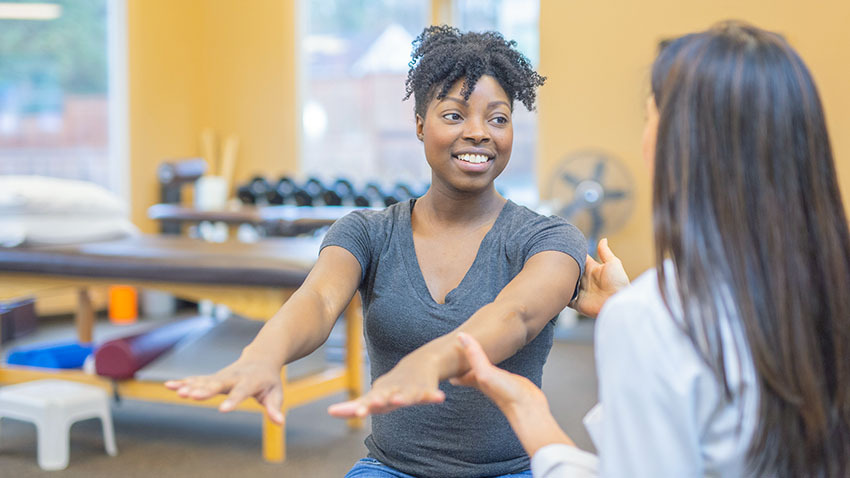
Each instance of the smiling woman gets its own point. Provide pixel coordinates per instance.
(460, 258)
(473, 135)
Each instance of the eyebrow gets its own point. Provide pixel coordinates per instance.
(466, 103)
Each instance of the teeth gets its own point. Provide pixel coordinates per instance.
(473, 158)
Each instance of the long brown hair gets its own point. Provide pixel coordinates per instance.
(747, 208)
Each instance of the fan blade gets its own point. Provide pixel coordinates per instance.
(616, 195)
(570, 179)
(598, 170)
(571, 209)
(596, 228)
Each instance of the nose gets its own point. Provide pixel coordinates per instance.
(475, 130)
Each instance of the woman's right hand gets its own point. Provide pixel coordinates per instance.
(240, 380)
(600, 281)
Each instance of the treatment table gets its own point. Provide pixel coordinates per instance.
(253, 280)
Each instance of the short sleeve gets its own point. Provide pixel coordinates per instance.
(555, 234)
(351, 232)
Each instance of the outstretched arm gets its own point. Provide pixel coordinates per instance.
(520, 311)
(301, 325)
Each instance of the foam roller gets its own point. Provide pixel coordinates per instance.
(122, 358)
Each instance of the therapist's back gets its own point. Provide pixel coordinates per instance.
(747, 210)
(732, 357)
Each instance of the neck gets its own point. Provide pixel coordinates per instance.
(460, 208)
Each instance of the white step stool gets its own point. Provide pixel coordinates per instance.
(53, 406)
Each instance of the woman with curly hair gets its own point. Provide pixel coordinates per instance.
(461, 258)
(732, 357)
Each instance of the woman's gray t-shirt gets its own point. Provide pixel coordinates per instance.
(466, 435)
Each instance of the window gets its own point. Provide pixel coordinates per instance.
(56, 99)
(517, 20)
(354, 61)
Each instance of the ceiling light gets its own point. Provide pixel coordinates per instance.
(29, 11)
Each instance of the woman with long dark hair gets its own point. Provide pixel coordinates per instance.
(732, 357)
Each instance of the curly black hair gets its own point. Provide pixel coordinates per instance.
(442, 55)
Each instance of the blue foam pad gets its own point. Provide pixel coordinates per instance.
(70, 354)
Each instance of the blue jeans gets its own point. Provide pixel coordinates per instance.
(372, 468)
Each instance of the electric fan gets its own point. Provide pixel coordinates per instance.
(594, 191)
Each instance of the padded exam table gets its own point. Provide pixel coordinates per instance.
(253, 280)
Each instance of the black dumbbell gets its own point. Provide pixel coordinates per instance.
(331, 198)
(245, 195)
(344, 189)
(403, 192)
(259, 188)
(302, 198)
(314, 188)
(361, 201)
(283, 192)
(373, 193)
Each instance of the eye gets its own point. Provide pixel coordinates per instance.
(500, 120)
(453, 116)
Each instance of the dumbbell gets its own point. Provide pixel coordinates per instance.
(282, 192)
(343, 188)
(314, 187)
(377, 197)
(341, 191)
(403, 192)
(245, 195)
(260, 188)
(255, 189)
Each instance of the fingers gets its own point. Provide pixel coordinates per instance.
(273, 403)
(349, 409)
(605, 252)
(475, 355)
(197, 388)
(239, 393)
(381, 401)
(465, 380)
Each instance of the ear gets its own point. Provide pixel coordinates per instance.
(420, 128)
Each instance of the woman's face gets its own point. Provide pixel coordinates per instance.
(650, 132)
(468, 142)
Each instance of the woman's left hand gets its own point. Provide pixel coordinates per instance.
(407, 384)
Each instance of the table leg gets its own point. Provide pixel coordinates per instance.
(274, 435)
(354, 353)
(85, 316)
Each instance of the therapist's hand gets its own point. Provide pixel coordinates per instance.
(522, 402)
(600, 281)
(240, 380)
(410, 382)
(507, 390)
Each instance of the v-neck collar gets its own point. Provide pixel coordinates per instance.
(411, 261)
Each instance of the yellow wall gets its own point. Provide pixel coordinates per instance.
(230, 65)
(597, 56)
(164, 99)
(249, 74)
(222, 64)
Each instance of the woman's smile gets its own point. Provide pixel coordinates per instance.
(468, 141)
